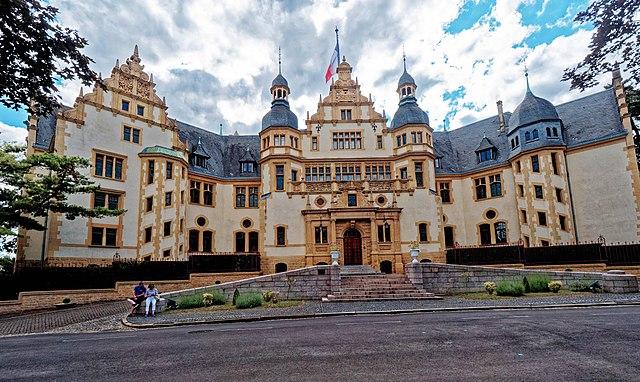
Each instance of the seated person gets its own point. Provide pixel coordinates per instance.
(151, 297)
(138, 296)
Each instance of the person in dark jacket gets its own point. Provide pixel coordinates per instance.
(138, 296)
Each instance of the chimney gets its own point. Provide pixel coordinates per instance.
(500, 117)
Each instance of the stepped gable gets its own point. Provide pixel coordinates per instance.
(225, 151)
(586, 120)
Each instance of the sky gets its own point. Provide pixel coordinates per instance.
(214, 60)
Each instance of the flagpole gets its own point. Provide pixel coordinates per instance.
(337, 46)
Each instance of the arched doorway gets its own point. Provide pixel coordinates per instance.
(352, 247)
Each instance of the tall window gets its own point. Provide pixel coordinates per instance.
(422, 232)
(194, 192)
(496, 185)
(534, 134)
(280, 140)
(419, 175)
(103, 236)
(345, 114)
(500, 232)
(321, 173)
(377, 171)
(253, 197)
(538, 191)
(167, 228)
(294, 175)
(149, 202)
(147, 235)
(314, 143)
(125, 105)
(108, 166)
(535, 163)
(152, 169)
(241, 197)
(347, 140)
(279, 177)
(445, 191)
(352, 200)
(403, 173)
(559, 195)
(449, 239)
(563, 222)
(485, 155)
(384, 233)
(416, 137)
(207, 195)
(281, 238)
(379, 142)
(485, 234)
(481, 188)
(131, 134)
(321, 235)
(253, 242)
(523, 213)
(194, 240)
(168, 196)
(140, 110)
(207, 241)
(240, 242)
(542, 218)
(554, 163)
(347, 172)
(247, 167)
(169, 170)
(106, 199)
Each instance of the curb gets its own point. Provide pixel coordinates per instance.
(125, 322)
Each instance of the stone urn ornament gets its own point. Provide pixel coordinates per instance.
(334, 251)
(414, 251)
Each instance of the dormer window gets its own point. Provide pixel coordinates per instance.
(345, 114)
(198, 160)
(485, 155)
(438, 163)
(247, 167)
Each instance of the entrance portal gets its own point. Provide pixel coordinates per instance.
(352, 247)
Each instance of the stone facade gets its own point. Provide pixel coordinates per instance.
(451, 279)
(347, 179)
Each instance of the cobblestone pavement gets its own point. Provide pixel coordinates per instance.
(315, 307)
(107, 314)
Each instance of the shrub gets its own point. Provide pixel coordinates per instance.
(525, 283)
(248, 300)
(214, 298)
(510, 288)
(554, 286)
(580, 286)
(66, 300)
(236, 293)
(190, 302)
(490, 287)
(539, 283)
(270, 296)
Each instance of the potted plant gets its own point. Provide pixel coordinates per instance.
(66, 303)
(414, 251)
(334, 251)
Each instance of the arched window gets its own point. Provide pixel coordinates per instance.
(281, 236)
(501, 232)
(253, 242)
(281, 267)
(194, 240)
(386, 266)
(534, 134)
(527, 136)
(404, 91)
(485, 234)
(207, 241)
(240, 247)
(555, 131)
(548, 131)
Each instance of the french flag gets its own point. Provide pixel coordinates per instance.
(333, 64)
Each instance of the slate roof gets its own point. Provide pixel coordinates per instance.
(226, 151)
(585, 120)
(408, 113)
(280, 115)
(406, 78)
(279, 81)
(485, 144)
(47, 129)
(532, 109)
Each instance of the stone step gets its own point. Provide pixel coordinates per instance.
(332, 298)
(358, 270)
(380, 293)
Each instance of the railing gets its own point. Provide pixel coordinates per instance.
(581, 253)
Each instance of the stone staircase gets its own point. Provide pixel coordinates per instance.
(363, 283)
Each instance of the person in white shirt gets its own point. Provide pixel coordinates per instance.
(151, 297)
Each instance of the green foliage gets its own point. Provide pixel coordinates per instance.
(510, 288)
(214, 298)
(236, 293)
(555, 286)
(248, 300)
(39, 184)
(527, 286)
(36, 53)
(580, 286)
(190, 302)
(270, 296)
(6, 264)
(615, 41)
(539, 283)
(490, 287)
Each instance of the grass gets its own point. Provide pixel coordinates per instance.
(510, 288)
(190, 302)
(538, 283)
(486, 296)
(230, 306)
(249, 300)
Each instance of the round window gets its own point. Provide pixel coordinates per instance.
(382, 200)
(444, 218)
(246, 223)
(491, 214)
(320, 201)
(201, 221)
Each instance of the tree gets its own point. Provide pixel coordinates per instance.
(36, 52)
(614, 43)
(37, 184)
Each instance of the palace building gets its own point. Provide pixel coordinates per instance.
(345, 177)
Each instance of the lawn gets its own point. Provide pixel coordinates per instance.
(486, 296)
(230, 306)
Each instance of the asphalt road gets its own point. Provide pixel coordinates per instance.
(567, 344)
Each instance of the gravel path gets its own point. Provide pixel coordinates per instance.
(314, 307)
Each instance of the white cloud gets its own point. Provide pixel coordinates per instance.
(214, 61)
(14, 134)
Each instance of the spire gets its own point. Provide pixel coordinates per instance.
(404, 59)
(526, 76)
(117, 62)
(135, 51)
(279, 61)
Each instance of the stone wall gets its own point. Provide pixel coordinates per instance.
(310, 283)
(451, 279)
(34, 300)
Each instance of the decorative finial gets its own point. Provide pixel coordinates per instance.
(164, 100)
(279, 61)
(526, 76)
(221, 129)
(135, 51)
(151, 77)
(199, 141)
(404, 59)
(81, 92)
(117, 62)
(344, 59)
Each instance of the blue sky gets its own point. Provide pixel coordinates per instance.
(214, 63)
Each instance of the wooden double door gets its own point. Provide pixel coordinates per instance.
(352, 242)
